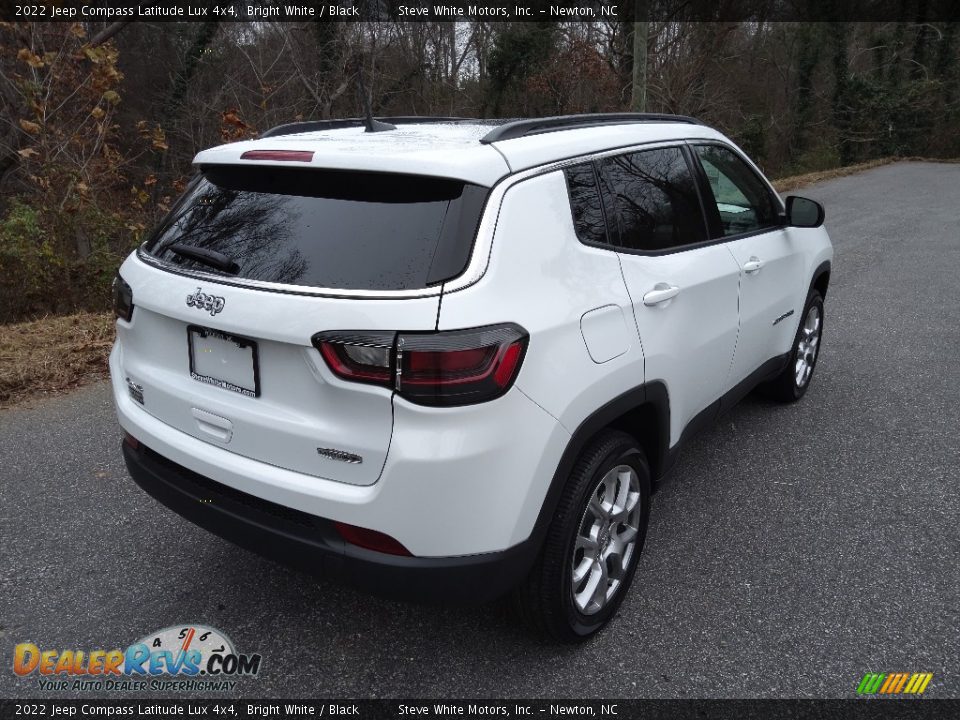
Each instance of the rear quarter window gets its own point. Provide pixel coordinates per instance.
(585, 206)
(326, 229)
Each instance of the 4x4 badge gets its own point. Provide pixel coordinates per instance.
(202, 301)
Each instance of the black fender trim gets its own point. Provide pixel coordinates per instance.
(653, 394)
(822, 269)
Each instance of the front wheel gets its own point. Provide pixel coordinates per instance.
(593, 544)
(792, 383)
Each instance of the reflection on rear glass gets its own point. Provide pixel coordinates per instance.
(324, 229)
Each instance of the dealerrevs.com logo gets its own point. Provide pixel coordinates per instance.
(181, 657)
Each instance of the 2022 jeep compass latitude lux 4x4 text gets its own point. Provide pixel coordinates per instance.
(449, 359)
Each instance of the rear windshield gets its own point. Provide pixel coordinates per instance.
(322, 228)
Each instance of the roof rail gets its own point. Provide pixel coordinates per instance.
(314, 125)
(536, 126)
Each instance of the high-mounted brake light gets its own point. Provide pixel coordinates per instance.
(281, 155)
(457, 367)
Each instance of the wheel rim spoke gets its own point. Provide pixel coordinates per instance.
(613, 560)
(627, 535)
(589, 544)
(585, 597)
(581, 570)
(599, 597)
(623, 491)
(609, 492)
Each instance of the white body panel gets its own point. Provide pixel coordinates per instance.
(767, 294)
(543, 278)
(688, 340)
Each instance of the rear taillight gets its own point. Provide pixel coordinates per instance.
(122, 299)
(457, 367)
(361, 357)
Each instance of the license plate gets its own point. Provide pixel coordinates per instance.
(227, 361)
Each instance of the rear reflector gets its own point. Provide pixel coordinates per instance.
(281, 155)
(131, 441)
(370, 539)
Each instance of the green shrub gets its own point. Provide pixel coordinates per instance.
(58, 261)
(30, 266)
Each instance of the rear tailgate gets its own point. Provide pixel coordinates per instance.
(302, 409)
(251, 263)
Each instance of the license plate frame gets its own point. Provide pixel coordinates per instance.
(210, 339)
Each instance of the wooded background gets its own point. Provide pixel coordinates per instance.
(99, 122)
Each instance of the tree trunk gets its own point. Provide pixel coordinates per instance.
(638, 95)
(808, 55)
(840, 34)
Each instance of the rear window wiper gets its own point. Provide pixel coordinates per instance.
(207, 257)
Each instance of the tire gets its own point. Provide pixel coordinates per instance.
(612, 466)
(792, 383)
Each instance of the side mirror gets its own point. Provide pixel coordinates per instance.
(803, 212)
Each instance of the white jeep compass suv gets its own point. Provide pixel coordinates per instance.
(449, 359)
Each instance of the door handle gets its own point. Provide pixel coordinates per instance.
(661, 293)
(753, 265)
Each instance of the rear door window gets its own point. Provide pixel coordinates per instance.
(651, 200)
(326, 229)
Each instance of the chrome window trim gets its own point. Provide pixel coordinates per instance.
(285, 288)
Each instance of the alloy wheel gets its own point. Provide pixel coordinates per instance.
(606, 539)
(807, 346)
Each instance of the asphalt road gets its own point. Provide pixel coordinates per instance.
(794, 549)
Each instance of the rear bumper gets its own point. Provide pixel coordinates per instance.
(312, 544)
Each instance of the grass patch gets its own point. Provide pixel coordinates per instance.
(52, 355)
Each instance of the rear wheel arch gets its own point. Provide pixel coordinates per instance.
(649, 424)
(642, 412)
(592, 547)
